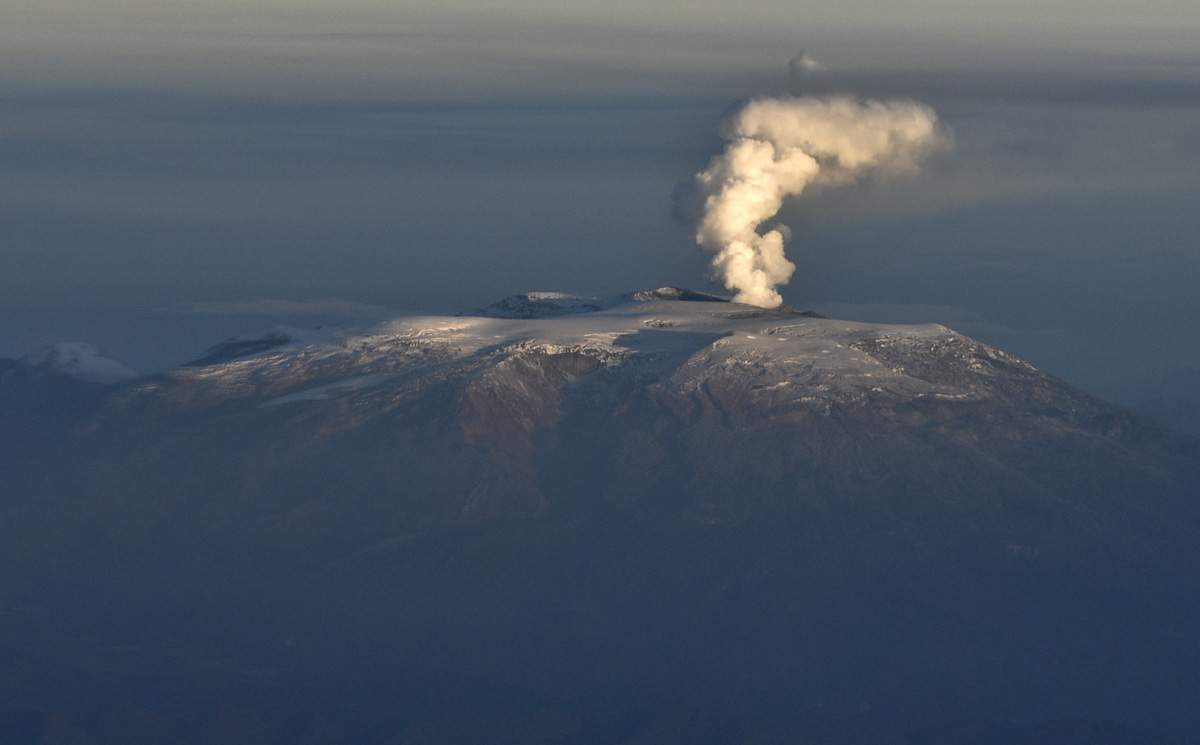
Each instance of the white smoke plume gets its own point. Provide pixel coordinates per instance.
(776, 148)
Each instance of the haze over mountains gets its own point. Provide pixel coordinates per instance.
(663, 517)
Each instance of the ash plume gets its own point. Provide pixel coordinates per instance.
(776, 148)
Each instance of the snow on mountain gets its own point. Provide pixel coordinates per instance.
(549, 304)
(81, 361)
(654, 334)
(705, 393)
(234, 348)
(663, 497)
(540, 305)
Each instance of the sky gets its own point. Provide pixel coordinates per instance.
(174, 173)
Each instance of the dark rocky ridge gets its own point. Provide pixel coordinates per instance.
(232, 349)
(659, 541)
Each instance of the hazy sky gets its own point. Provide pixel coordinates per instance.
(176, 172)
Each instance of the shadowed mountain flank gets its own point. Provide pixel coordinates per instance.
(662, 519)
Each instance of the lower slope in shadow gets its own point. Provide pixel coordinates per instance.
(556, 549)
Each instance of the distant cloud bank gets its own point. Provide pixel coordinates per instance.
(330, 307)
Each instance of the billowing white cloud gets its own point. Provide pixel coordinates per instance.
(776, 148)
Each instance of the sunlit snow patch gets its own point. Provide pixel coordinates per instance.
(332, 390)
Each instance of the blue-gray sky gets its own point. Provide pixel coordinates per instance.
(173, 173)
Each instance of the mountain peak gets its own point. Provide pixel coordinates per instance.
(81, 361)
(539, 305)
(676, 293)
(233, 348)
(706, 501)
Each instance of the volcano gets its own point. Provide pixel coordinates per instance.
(661, 517)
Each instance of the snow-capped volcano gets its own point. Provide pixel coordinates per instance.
(710, 405)
(597, 508)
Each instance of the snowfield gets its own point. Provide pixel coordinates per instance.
(652, 335)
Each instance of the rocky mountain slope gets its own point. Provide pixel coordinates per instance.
(636, 519)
